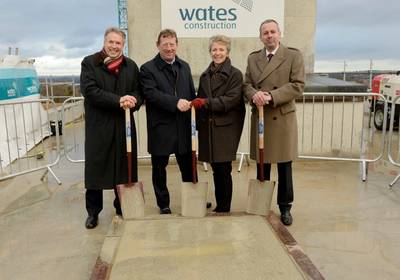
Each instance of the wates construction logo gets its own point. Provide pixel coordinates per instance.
(205, 18)
(247, 4)
(209, 18)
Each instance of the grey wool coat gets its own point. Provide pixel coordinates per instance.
(283, 77)
(220, 123)
(105, 138)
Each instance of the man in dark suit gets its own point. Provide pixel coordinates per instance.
(274, 78)
(168, 88)
(109, 83)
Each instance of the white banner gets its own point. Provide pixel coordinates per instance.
(205, 18)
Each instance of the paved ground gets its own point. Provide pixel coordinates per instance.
(348, 228)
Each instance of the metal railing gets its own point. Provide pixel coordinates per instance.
(392, 158)
(50, 88)
(26, 124)
(73, 115)
(335, 128)
(332, 126)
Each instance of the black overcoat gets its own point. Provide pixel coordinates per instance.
(105, 142)
(220, 123)
(168, 129)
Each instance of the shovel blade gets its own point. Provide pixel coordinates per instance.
(194, 199)
(260, 197)
(132, 200)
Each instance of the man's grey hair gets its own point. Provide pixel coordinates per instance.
(224, 40)
(115, 30)
(269, 21)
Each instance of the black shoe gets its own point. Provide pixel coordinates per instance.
(91, 222)
(165, 210)
(208, 205)
(220, 210)
(118, 212)
(286, 218)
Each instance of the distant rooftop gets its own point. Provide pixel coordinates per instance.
(320, 83)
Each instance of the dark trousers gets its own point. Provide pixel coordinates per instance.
(223, 185)
(94, 202)
(159, 175)
(285, 183)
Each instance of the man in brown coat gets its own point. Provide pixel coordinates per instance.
(274, 78)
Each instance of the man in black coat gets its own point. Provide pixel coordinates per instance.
(167, 87)
(109, 83)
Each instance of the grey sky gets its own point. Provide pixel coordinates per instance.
(357, 29)
(69, 30)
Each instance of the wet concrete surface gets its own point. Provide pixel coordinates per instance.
(348, 228)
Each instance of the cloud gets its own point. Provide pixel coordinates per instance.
(50, 65)
(60, 28)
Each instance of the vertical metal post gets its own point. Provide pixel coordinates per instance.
(47, 87)
(370, 74)
(341, 130)
(312, 124)
(333, 117)
(8, 137)
(322, 124)
(26, 141)
(302, 129)
(352, 125)
(73, 87)
(51, 88)
(16, 136)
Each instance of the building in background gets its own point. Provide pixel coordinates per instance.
(197, 20)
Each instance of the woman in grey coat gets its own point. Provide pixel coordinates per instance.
(220, 118)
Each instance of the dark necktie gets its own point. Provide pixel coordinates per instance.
(270, 56)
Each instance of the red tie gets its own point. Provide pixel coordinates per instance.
(270, 56)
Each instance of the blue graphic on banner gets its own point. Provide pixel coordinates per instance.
(18, 82)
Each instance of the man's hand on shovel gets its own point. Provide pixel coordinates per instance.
(127, 102)
(260, 98)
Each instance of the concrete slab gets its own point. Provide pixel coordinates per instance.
(35, 194)
(348, 228)
(223, 247)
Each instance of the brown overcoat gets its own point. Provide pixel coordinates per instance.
(283, 77)
(220, 123)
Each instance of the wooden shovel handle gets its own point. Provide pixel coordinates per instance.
(128, 132)
(194, 146)
(261, 141)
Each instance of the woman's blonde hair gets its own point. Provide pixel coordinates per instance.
(225, 40)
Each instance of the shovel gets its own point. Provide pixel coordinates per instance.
(194, 194)
(260, 191)
(131, 194)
